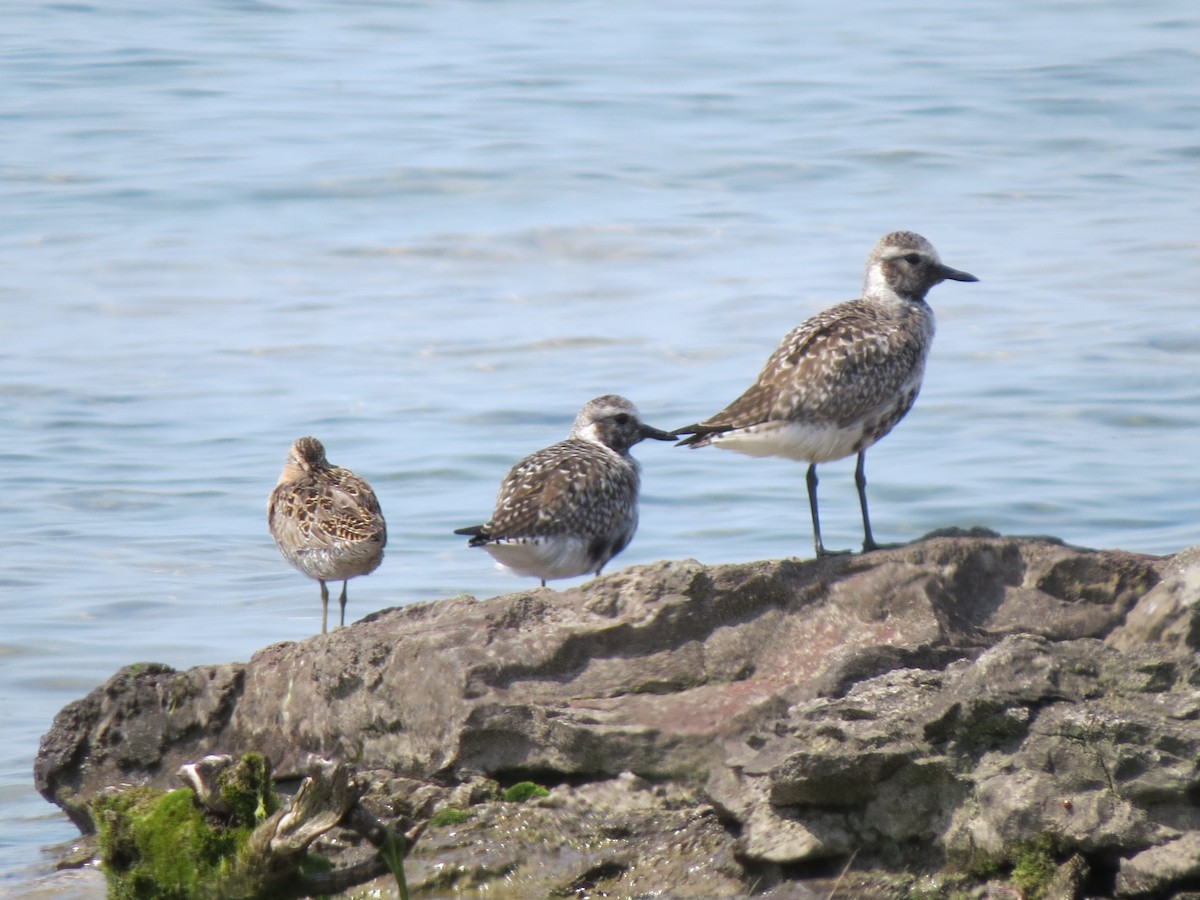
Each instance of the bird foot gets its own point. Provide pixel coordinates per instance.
(822, 553)
(868, 546)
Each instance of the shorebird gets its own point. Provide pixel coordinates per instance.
(570, 508)
(843, 379)
(325, 520)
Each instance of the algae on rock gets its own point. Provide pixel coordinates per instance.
(158, 844)
(226, 837)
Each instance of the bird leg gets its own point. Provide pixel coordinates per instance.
(860, 481)
(342, 601)
(811, 480)
(324, 604)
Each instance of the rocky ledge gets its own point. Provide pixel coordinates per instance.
(966, 710)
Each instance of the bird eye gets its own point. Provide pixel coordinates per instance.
(912, 258)
(621, 418)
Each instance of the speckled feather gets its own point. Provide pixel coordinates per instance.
(573, 487)
(325, 520)
(838, 367)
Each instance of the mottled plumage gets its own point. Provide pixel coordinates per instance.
(570, 508)
(325, 520)
(843, 379)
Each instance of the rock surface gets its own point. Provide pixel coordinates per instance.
(795, 729)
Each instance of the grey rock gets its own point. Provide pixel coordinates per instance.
(907, 713)
(1156, 870)
(1170, 613)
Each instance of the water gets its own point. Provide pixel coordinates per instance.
(428, 232)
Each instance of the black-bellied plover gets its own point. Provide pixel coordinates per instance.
(843, 379)
(570, 508)
(325, 520)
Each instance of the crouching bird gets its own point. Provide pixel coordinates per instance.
(570, 508)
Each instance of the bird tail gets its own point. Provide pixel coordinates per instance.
(698, 435)
(476, 533)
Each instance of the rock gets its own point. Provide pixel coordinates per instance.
(1156, 870)
(620, 835)
(1069, 879)
(1170, 613)
(911, 713)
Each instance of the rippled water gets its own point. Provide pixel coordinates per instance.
(428, 232)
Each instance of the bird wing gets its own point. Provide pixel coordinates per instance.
(339, 509)
(570, 488)
(816, 373)
(356, 515)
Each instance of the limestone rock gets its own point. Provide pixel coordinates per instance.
(1155, 870)
(909, 712)
(1170, 613)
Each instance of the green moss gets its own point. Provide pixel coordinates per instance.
(524, 790)
(1029, 866)
(247, 789)
(1034, 865)
(157, 844)
(161, 844)
(449, 816)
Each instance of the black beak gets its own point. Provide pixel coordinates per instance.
(956, 275)
(648, 432)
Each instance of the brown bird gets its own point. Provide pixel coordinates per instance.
(325, 520)
(843, 379)
(570, 508)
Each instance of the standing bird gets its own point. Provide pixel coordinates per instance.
(325, 520)
(843, 379)
(570, 508)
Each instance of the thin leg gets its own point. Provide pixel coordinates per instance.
(342, 600)
(860, 480)
(324, 605)
(811, 480)
(543, 582)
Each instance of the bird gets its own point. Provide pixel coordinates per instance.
(841, 380)
(325, 520)
(568, 509)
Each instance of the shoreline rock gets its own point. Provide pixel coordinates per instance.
(930, 711)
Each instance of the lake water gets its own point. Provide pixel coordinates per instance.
(427, 233)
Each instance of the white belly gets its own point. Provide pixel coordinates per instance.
(812, 443)
(546, 558)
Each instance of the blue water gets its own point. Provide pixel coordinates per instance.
(428, 232)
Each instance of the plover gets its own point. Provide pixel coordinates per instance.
(843, 379)
(325, 520)
(570, 508)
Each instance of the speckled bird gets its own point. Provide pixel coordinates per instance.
(325, 520)
(843, 379)
(570, 508)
